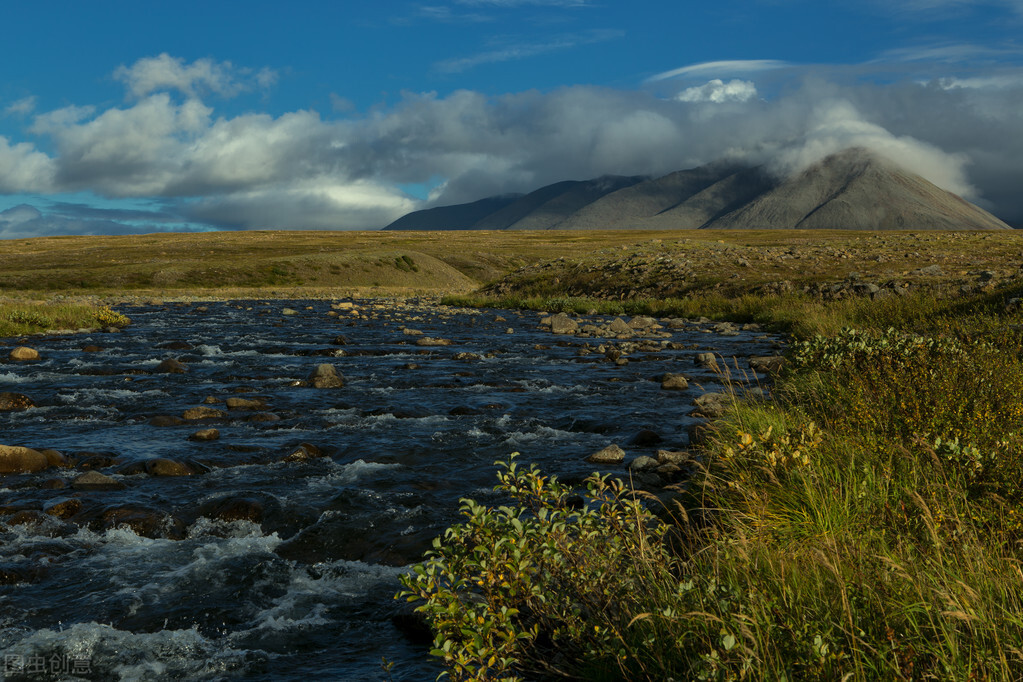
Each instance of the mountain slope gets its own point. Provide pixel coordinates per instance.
(858, 190)
(852, 190)
(457, 217)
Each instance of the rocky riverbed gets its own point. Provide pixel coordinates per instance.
(230, 489)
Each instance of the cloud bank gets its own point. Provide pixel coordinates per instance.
(302, 170)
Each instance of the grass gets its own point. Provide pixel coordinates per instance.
(864, 524)
(23, 318)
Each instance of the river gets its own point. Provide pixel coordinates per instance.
(278, 557)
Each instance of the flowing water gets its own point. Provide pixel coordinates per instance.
(266, 565)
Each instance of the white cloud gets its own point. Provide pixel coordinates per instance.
(165, 73)
(720, 68)
(24, 169)
(22, 107)
(717, 91)
(836, 125)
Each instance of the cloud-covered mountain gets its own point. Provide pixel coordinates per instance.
(855, 189)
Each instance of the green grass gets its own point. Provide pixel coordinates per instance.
(21, 318)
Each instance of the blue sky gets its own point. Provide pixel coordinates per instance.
(122, 117)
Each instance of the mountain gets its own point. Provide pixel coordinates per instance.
(854, 190)
(457, 217)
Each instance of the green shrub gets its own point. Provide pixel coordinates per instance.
(552, 586)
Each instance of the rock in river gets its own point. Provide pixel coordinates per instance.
(612, 454)
(14, 401)
(18, 460)
(325, 376)
(24, 354)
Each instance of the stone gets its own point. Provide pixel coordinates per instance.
(63, 508)
(643, 322)
(166, 420)
(767, 364)
(325, 376)
(707, 361)
(673, 456)
(233, 509)
(712, 405)
(612, 454)
(563, 324)
(91, 349)
(15, 459)
(674, 382)
(620, 327)
(645, 438)
(170, 366)
(168, 467)
(289, 311)
(55, 458)
(94, 480)
(643, 463)
(24, 354)
(203, 412)
(243, 404)
(14, 401)
(431, 341)
(205, 435)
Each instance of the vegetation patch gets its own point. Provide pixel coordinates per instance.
(17, 318)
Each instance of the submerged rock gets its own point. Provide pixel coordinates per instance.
(94, 480)
(14, 401)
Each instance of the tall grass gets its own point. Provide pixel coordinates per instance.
(866, 524)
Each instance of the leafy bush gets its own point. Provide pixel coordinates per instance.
(552, 585)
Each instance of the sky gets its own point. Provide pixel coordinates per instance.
(127, 117)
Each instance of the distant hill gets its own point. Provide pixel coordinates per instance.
(853, 190)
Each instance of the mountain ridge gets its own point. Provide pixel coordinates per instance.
(855, 189)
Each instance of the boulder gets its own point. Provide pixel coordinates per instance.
(712, 405)
(243, 404)
(563, 324)
(233, 509)
(24, 354)
(643, 322)
(673, 456)
(14, 401)
(767, 364)
(431, 341)
(63, 508)
(170, 366)
(674, 382)
(325, 376)
(203, 412)
(620, 327)
(643, 463)
(166, 420)
(707, 361)
(94, 480)
(168, 467)
(645, 438)
(612, 454)
(15, 459)
(205, 435)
